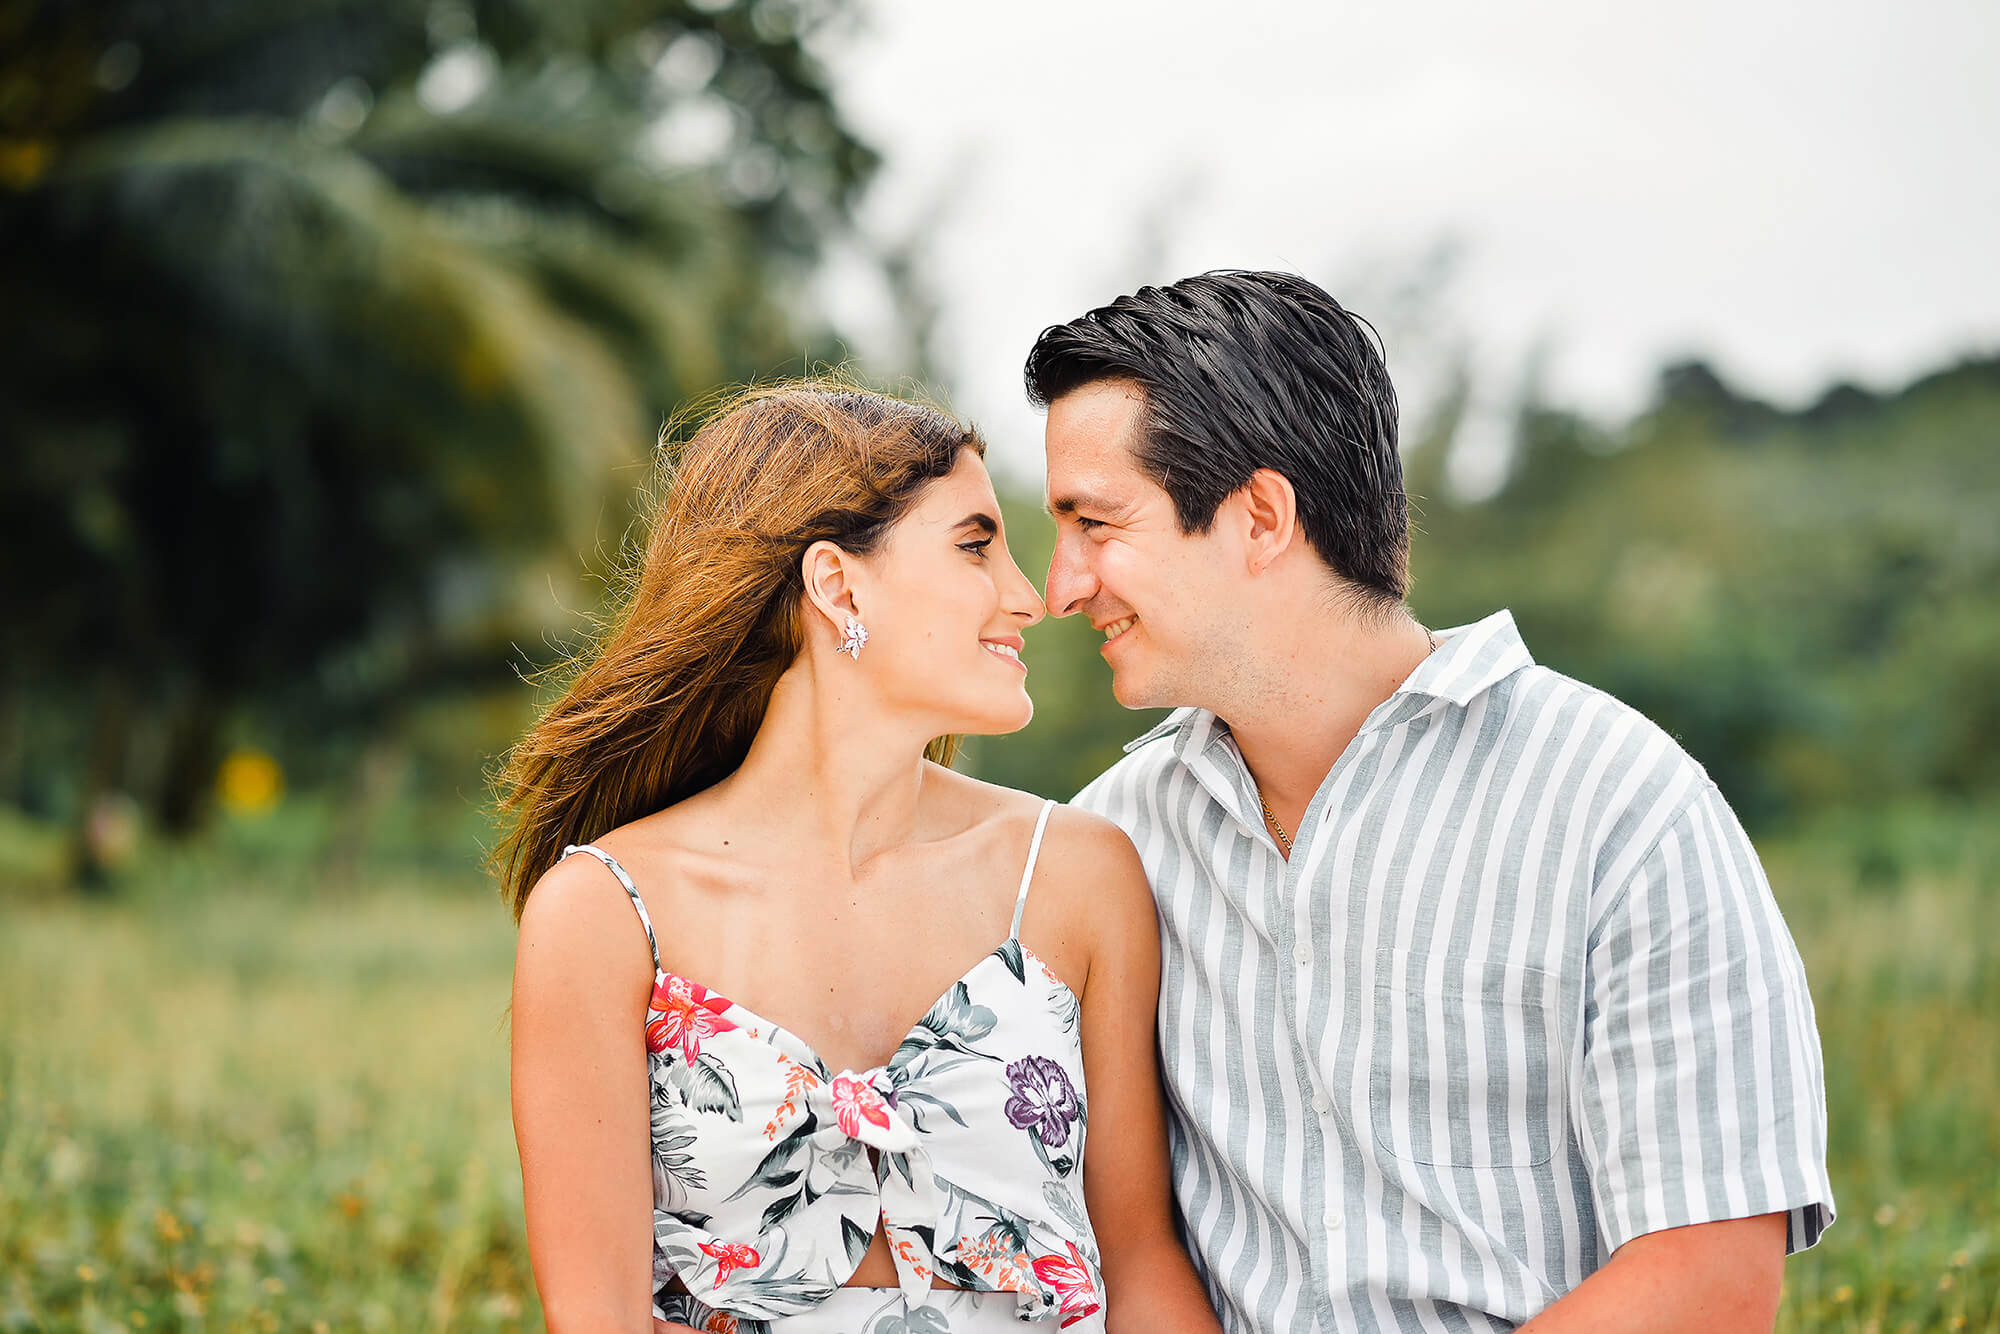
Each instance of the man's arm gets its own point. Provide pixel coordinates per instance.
(1720, 1278)
(1699, 1108)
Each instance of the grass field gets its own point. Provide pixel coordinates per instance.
(228, 1104)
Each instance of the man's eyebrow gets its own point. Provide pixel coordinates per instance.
(1070, 502)
(984, 522)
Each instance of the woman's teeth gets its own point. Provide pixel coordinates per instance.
(1117, 628)
(1004, 650)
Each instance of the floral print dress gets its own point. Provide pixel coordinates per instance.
(770, 1170)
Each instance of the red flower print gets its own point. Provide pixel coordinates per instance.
(731, 1256)
(719, 1322)
(687, 1014)
(1071, 1280)
(854, 1101)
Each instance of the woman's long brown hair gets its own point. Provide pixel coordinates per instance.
(667, 701)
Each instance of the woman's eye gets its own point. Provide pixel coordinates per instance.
(976, 548)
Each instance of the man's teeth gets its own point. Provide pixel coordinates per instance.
(1004, 650)
(1117, 628)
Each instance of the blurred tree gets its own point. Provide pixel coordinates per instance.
(325, 324)
(1808, 600)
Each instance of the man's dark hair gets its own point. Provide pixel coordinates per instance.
(1246, 370)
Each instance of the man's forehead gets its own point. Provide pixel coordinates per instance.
(1104, 480)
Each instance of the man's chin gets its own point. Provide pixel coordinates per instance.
(1132, 690)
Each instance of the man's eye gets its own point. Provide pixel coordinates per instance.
(1088, 524)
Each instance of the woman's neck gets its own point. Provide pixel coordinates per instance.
(826, 771)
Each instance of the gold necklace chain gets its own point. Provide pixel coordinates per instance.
(1284, 839)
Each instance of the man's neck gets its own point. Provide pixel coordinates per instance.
(1313, 688)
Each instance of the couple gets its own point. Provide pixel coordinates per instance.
(1392, 982)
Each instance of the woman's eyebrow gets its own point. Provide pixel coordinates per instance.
(985, 523)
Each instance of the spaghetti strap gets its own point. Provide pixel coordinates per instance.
(1028, 872)
(630, 888)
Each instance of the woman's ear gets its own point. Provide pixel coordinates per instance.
(831, 576)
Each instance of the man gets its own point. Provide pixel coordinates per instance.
(1476, 1007)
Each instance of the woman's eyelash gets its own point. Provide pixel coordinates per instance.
(976, 548)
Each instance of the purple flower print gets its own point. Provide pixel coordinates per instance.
(1044, 1100)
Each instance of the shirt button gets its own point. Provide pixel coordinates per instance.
(1332, 1219)
(1322, 1104)
(1301, 953)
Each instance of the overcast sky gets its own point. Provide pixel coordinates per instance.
(1800, 192)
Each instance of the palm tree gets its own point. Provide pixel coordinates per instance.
(325, 322)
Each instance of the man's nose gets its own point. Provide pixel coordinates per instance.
(1070, 583)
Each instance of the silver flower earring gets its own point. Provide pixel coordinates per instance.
(857, 638)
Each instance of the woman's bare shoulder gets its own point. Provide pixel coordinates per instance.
(1011, 806)
(1086, 862)
(579, 915)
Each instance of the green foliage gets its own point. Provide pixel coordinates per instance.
(1808, 600)
(1907, 998)
(216, 1111)
(336, 333)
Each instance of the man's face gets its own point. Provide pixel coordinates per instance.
(1121, 558)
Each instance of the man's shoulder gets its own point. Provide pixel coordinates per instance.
(1542, 696)
(1149, 758)
(1636, 781)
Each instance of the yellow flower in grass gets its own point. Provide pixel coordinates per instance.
(250, 782)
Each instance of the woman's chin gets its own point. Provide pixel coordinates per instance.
(1010, 717)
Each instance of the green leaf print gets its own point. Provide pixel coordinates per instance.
(1061, 1165)
(909, 1099)
(715, 1088)
(778, 1169)
(956, 1016)
(1062, 1203)
(1010, 954)
(923, 1320)
(785, 1206)
(857, 1238)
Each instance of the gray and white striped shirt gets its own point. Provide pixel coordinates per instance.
(1520, 995)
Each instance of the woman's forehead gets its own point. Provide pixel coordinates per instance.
(966, 489)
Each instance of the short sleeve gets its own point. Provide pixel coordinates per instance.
(1702, 1096)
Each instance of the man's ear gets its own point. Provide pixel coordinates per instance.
(1271, 517)
(831, 576)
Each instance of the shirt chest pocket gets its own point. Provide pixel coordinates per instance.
(1464, 1068)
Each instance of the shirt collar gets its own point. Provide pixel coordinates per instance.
(1469, 660)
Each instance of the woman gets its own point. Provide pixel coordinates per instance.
(864, 1007)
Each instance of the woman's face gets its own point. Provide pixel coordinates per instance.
(945, 606)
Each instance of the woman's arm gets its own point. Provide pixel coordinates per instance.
(582, 975)
(1150, 1284)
